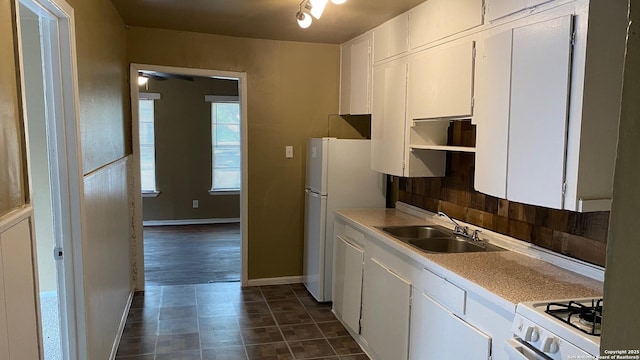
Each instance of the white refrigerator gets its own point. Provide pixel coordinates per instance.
(339, 176)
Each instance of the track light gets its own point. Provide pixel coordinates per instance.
(312, 8)
(317, 7)
(142, 80)
(304, 19)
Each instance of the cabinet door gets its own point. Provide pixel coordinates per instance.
(501, 8)
(538, 118)
(345, 79)
(390, 38)
(437, 19)
(438, 334)
(347, 283)
(386, 302)
(440, 82)
(388, 117)
(360, 76)
(491, 113)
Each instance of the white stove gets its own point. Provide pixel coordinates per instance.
(564, 329)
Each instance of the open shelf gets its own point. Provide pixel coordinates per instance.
(443, 148)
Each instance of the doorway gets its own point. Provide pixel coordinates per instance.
(49, 99)
(193, 193)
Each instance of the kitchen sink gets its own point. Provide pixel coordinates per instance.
(437, 239)
(416, 232)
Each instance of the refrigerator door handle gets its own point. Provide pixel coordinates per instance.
(311, 193)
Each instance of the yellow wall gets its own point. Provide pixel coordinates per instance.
(105, 119)
(11, 164)
(292, 88)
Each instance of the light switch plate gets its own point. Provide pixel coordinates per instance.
(288, 152)
(195, 204)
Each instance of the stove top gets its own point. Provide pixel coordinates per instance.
(586, 317)
(577, 321)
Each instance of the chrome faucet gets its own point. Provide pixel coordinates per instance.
(462, 230)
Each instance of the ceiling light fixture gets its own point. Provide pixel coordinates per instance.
(312, 8)
(142, 80)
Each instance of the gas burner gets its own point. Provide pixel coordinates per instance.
(587, 319)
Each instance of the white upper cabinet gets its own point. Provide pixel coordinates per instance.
(391, 38)
(500, 8)
(540, 69)
(345, 79)
(388, 117)
(360, 76)
(441, 82)
(491, 113)
(436, 19)
(355, 76)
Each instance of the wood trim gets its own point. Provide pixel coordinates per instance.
(123, 321)
(15, 217)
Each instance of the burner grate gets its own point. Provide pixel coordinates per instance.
(589, 316)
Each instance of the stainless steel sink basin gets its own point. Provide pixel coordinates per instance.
(416, 232)
(448, 245)
(437, 239)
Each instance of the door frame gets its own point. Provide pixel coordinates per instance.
(64, 130)
(137, 188)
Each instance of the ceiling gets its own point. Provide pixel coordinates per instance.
(263, 19)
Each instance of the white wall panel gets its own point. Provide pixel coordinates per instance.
(106, 253)
(20, 333)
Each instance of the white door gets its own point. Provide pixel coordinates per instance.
(347, 283)
(539, 111)
(440, 82)
(49, 81)
(386, 301)
(316, 178)
(388, 117)
(438, 334)
(314, 244)
(360, 76)
(491, 113)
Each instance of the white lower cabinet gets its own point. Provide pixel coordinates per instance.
(347, 282)
(438, 334)
(386, 303)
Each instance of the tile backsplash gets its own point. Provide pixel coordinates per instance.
(579, 235)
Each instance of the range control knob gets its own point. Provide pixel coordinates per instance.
(550, 345)
(532, 334)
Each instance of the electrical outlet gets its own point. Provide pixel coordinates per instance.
(195, 204)
(288, 152)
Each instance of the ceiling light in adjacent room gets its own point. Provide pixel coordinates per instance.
(142, 80)
(338, 2)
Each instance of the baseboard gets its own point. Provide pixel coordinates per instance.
(283, 280)
(190, 222)
(123, 321)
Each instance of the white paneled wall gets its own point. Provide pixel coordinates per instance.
(106, 254)
(18, 321)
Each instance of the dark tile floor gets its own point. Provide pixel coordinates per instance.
(223, 321)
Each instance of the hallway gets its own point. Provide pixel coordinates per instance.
(223, 321)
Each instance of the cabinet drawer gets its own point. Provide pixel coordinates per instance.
(447, 294)
(349, 233)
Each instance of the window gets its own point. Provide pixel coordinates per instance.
(225, 141)
(147, 142)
